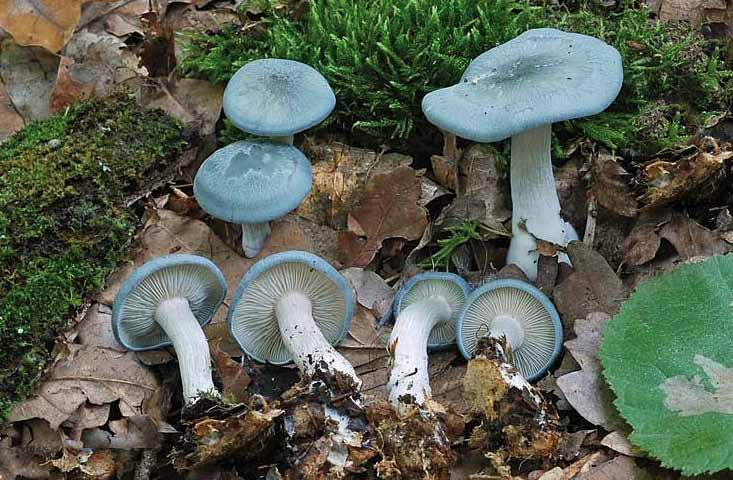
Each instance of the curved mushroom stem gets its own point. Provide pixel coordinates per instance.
(535, 206)
(409, 346)
(309, 349)
(254, 236)
(175, 318)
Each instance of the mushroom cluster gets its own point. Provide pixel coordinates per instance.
(253, 182)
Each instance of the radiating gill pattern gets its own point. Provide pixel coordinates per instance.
(195, 283)
(539, 334)
(254, 324)
(444, 333)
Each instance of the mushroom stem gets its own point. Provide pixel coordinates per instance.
(286, 139)
(254, 236)
(535, 206)
(175, 318)
(309, 349)
(408, 343)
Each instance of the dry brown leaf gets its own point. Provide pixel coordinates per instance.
(10, 119)
(93, 65)
(28, 74)
(482, 193)
(340, 175)
(592, 287)
(197, 103)
(691, 239)
(138, 431)
(233, 377)
(42, 23)
(609, 183)
(697, 12)
(89, 374)
(619, 468)
(643, 242)
(21, 462)
(699, 168)
(586, 389)
(388, 209)
(371, 290)
(619, 442)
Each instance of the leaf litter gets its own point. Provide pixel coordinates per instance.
(368, 210)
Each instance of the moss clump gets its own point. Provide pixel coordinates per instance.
(383, 56)
(63, 221)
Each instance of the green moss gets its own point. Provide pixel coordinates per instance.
(383, 56)
(63, 221)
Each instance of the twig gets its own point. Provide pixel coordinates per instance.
(590, 222)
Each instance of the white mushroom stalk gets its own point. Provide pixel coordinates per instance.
(175, 318)
(409, 380)
(254, 236)
(535, 206)
(309, 349)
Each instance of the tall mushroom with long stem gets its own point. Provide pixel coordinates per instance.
(168, 301)
(518, 312)
(427, 307)
(293, 307)
(518, 90)
(253, 183)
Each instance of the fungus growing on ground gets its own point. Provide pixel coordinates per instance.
(667, 357)
(426, 307)
(168, 301)
(293, 306)
(519, 312)
(277, 98)
(518, 90)
(252, 183)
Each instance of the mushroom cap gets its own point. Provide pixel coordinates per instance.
(197, 279)
(252, 320)
(540, 77)
(275, 98)
(450, 286)
(253, 181)
(513, 303)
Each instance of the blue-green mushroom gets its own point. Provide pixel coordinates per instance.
(277, 98)
(252, 183)
(518, 90)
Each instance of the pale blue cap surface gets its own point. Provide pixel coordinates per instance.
(276, 98)
(252, 320)
(197, 279)
(253, 181)
(542, 76)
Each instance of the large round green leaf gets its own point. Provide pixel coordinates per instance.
(668, 356)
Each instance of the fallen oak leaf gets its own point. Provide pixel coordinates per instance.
(234, 378)
(609, 183)
(586, 389)
(389, 208)
(42, 23)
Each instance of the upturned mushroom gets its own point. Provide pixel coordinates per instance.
(519, 312)
(168, 301)
(252, 183)
(293, 307)
(518, 90)
(426, 307)
(277, 98)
